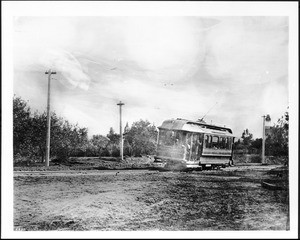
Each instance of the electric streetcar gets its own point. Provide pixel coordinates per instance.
(193, 144)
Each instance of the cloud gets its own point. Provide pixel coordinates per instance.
(42, 43)
(248, 50)
(65, 63)
(161, 42)
(33, 35)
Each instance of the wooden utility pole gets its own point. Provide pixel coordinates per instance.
(263, 141)
(121, 134)
(48, 120)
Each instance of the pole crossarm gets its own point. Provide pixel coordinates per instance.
(50, 72)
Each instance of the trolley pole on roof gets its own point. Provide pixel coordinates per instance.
(121, 134)
(48, 120)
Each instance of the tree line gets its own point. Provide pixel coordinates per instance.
(67, 139)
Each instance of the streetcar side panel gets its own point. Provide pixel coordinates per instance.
(217, 150)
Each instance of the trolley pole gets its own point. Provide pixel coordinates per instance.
(121, 134)
(48, 120)
(263, 141)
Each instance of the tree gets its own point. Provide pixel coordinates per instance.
(21, 127)
(69, 140)
(277, 141)
(83, 142)
(141, 138)
(114, 144)
(29, 134)
(247, 138)
(98, 145)
(256, 145)
(128, 150)
(244, 144)
(38, 131)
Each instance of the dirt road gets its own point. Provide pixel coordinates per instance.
(228, 199)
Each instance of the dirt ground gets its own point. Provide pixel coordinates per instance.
(119, 200)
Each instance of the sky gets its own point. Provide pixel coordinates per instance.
(232, 70)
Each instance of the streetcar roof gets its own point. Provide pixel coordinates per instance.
(191, 126)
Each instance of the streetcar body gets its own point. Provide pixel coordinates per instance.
(194, 144)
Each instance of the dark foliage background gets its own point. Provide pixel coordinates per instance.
(67, 139)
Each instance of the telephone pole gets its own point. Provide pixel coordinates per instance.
(48, 120)
(121, 134)
(266, 124)
(263, 142)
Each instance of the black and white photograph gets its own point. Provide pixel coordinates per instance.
(150, 119)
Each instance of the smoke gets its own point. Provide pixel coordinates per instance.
(66, 64)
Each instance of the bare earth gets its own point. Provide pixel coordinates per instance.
(119, 200)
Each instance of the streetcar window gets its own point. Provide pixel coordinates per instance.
(215, 142)
(178, 138)
(161, 137)
(170, 138)
(196, 143)
(222, 142)
(195, 137)
(207, 141)
(165, 137)
(188, 138)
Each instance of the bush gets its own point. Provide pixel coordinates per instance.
(20, 160)
(61, 155)
(255, 158)
(277, 160)
(104, 153)
(115, 152)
